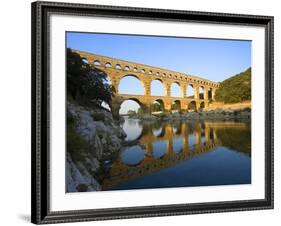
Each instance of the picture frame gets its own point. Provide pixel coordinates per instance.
(41, 87)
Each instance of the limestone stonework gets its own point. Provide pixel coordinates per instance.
(117, 69)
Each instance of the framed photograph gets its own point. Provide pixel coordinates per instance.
(141, 112)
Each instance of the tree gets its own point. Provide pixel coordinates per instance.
(175, 106)
(86, 84)
(235, 89)
(156, 107)
(141, 110)
(131, 112)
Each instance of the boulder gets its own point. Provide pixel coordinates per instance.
(104, 139)
(78, 178)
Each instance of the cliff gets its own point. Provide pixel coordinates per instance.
(93, 139)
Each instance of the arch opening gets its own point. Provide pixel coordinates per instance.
(130, 107)
(176, 106)
(157, 88)
(130, 84)
(176, 90)
(97, 63)
(191, 106)
(107, 64)
(132, 127)
(118, 66)
(210, 96)
(190, 91)
(157, 107)
(201, 92)
(202, 106)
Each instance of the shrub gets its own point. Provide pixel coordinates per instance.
(98, 116)
(71, 120)
(247, 109)
(236, 88)
(76, 145)
(131, 112)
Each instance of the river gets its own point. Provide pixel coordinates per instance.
(163, 154)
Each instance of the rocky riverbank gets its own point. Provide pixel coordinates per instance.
(93, 138)
(216, 114)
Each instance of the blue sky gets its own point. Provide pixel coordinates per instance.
(212, 59)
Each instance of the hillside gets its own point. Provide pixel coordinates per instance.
(235, 89)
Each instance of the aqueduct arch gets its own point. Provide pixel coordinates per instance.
(116, 69)
(192, 106)
(154, 83)
(160, 102)
(137, 82)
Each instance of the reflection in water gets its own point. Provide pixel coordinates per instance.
(203, 139)
(191, 140)
(177, 154)
(132, 128)
(157, 132)
(132, 155)
(159, 149)
(177, 128)
(177, 145)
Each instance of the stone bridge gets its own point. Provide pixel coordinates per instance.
(117, 69)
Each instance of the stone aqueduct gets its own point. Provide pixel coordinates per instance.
(117, 69)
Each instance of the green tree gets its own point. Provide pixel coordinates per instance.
(86, 84)
(156, 107)
(175, 106)
(235, 89)
(143, 110)
(140, 111)
(131, 112)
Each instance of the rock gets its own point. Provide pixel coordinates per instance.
(245, 115)
(77, 175)
(82, 188)
(104, 139)
(176, 115)
(192, 115)
(121, 119)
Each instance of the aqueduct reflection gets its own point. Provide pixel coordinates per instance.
(166, 145)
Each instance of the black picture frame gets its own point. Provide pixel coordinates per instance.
(40, 212)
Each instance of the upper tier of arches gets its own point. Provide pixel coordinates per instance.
(122, 65)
